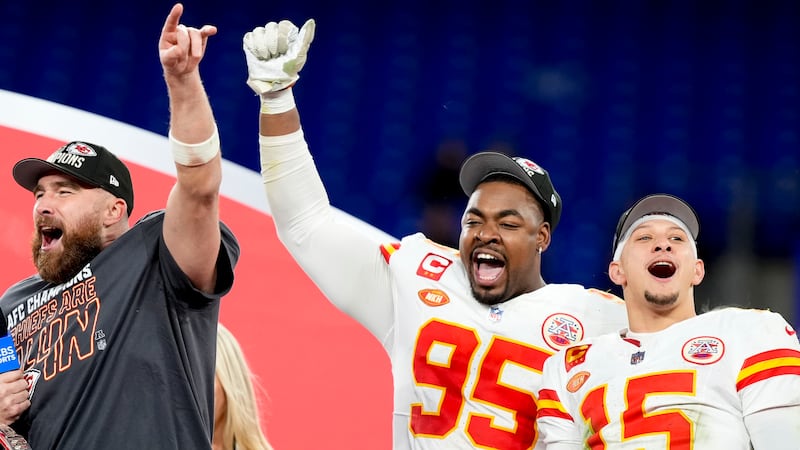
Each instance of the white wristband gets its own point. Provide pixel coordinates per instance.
(277, 102)
(194, 154)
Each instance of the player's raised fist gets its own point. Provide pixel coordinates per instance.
(275, 54)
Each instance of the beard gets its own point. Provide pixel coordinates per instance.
(661, 300)
(484, 297)
(77, 249)
(488, 299)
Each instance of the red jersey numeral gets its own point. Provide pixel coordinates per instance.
(635, 421)
(452, 377)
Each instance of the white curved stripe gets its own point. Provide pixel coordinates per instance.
(132, 144)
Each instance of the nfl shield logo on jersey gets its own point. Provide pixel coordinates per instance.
(636, 358)
(495, 314)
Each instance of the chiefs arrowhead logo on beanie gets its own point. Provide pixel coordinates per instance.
(89, 163)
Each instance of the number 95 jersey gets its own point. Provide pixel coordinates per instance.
(466, 374)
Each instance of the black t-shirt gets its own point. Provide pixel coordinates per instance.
(121, 356)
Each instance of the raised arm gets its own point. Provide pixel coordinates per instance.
(191, 220)
(343, 261)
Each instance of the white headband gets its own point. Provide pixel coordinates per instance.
(647, 218)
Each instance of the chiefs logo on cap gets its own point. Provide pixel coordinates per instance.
(529, 166)
(79, 148)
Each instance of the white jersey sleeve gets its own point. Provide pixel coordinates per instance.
(774, 429)
(769, 385)
(345, 262)
(713, 382)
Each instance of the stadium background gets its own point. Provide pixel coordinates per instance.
(616, 99)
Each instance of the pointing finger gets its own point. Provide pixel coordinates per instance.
(174, 17)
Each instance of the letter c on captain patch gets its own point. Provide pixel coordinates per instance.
(433, 266)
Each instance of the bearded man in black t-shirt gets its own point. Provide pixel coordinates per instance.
(116, 332)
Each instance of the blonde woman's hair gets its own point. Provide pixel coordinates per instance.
(242, 424)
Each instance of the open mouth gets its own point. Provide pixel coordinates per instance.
(487, 267)
(50, 236)
(662, 269)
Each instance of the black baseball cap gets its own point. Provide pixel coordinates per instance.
(657, 204)
(478, 167)
(89, 163)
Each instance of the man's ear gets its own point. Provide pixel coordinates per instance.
(617, 274)
(117, 210)
(699, 272)
(543, 236)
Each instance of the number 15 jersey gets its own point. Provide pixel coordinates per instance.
(694, 385)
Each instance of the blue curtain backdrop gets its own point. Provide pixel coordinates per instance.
(615, 98)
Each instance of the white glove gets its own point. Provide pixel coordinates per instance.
(275, 54)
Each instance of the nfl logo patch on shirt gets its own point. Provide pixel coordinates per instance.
(636, 358)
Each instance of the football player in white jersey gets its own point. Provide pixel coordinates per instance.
(467, 330)
(727, 379)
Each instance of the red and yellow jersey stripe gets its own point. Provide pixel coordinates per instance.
(767, 365)
(549, 405)
(387, 250)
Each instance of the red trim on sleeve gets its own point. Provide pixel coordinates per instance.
(550, 406)
(387, 250)
(768, 364)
